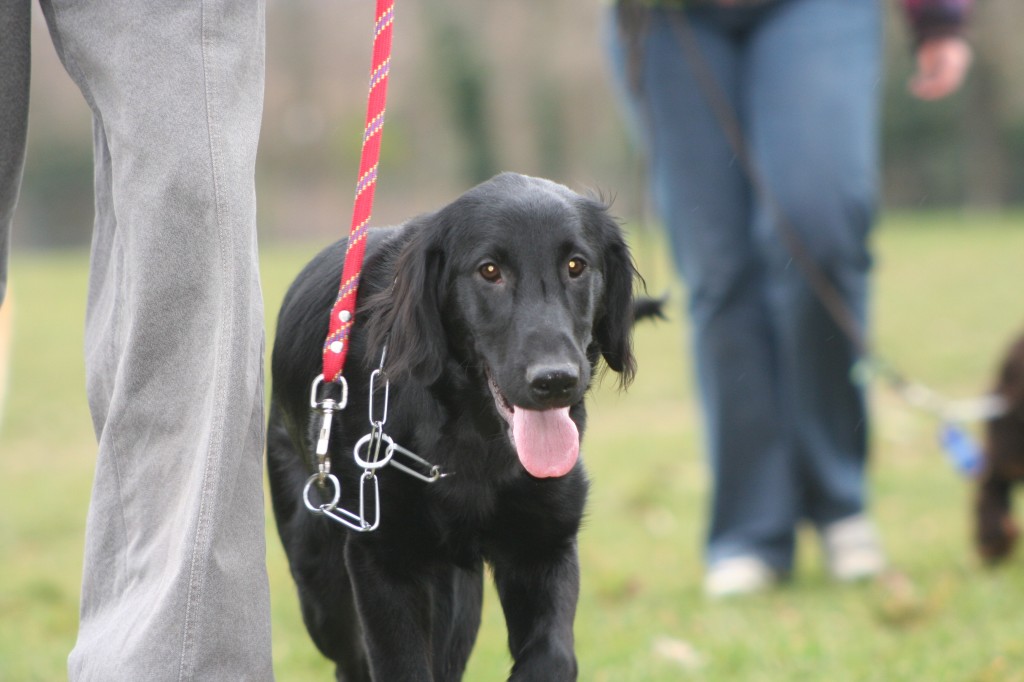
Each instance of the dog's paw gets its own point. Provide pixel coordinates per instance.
(995, 541)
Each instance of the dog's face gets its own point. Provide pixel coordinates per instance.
(528, 288)
(526, 283)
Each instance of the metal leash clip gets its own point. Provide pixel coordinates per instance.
(326, 408)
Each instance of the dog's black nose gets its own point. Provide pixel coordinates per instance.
(551, 382)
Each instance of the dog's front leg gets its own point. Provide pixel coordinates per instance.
(995, 533)
(394, 611)
(538, 594)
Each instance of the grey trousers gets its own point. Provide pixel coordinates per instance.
(174, 583)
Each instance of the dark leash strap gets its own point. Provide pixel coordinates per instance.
(634, 17)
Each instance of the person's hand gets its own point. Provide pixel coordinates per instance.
(942, 64)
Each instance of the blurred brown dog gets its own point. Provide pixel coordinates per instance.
(995, 531)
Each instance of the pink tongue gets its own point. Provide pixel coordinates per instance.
(547, 441)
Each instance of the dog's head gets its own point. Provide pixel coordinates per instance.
(525, 284)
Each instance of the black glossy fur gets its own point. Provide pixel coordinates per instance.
(402, 603)
(995, 531)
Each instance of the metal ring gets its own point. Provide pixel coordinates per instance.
(328, 403)
(388, 453)
(319, 509)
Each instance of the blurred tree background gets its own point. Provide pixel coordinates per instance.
(482, 86)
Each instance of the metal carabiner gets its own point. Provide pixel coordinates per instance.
(326, 407)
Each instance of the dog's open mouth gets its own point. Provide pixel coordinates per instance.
(546, 441)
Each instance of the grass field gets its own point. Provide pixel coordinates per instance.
(949, 294)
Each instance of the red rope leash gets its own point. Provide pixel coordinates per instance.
(344, 311)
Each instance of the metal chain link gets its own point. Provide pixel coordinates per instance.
(366, 454)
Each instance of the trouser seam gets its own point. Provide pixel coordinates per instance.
(201, 545)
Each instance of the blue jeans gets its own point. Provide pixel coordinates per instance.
(786, 427)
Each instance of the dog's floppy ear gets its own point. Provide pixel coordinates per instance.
(614, 325)
(406, 316)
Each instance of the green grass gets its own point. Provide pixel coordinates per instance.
(947, 301)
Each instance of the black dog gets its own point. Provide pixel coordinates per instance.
(495, 311)
(995, 531)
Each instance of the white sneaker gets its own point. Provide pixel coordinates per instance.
(852, 549)
(745, 574)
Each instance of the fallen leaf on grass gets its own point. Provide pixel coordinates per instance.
(678, 652)
(896, 599)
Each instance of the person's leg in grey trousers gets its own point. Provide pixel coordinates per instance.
(14, 75)
(174, 584)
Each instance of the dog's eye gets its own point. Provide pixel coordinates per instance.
(576, 267)
(490, 272)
